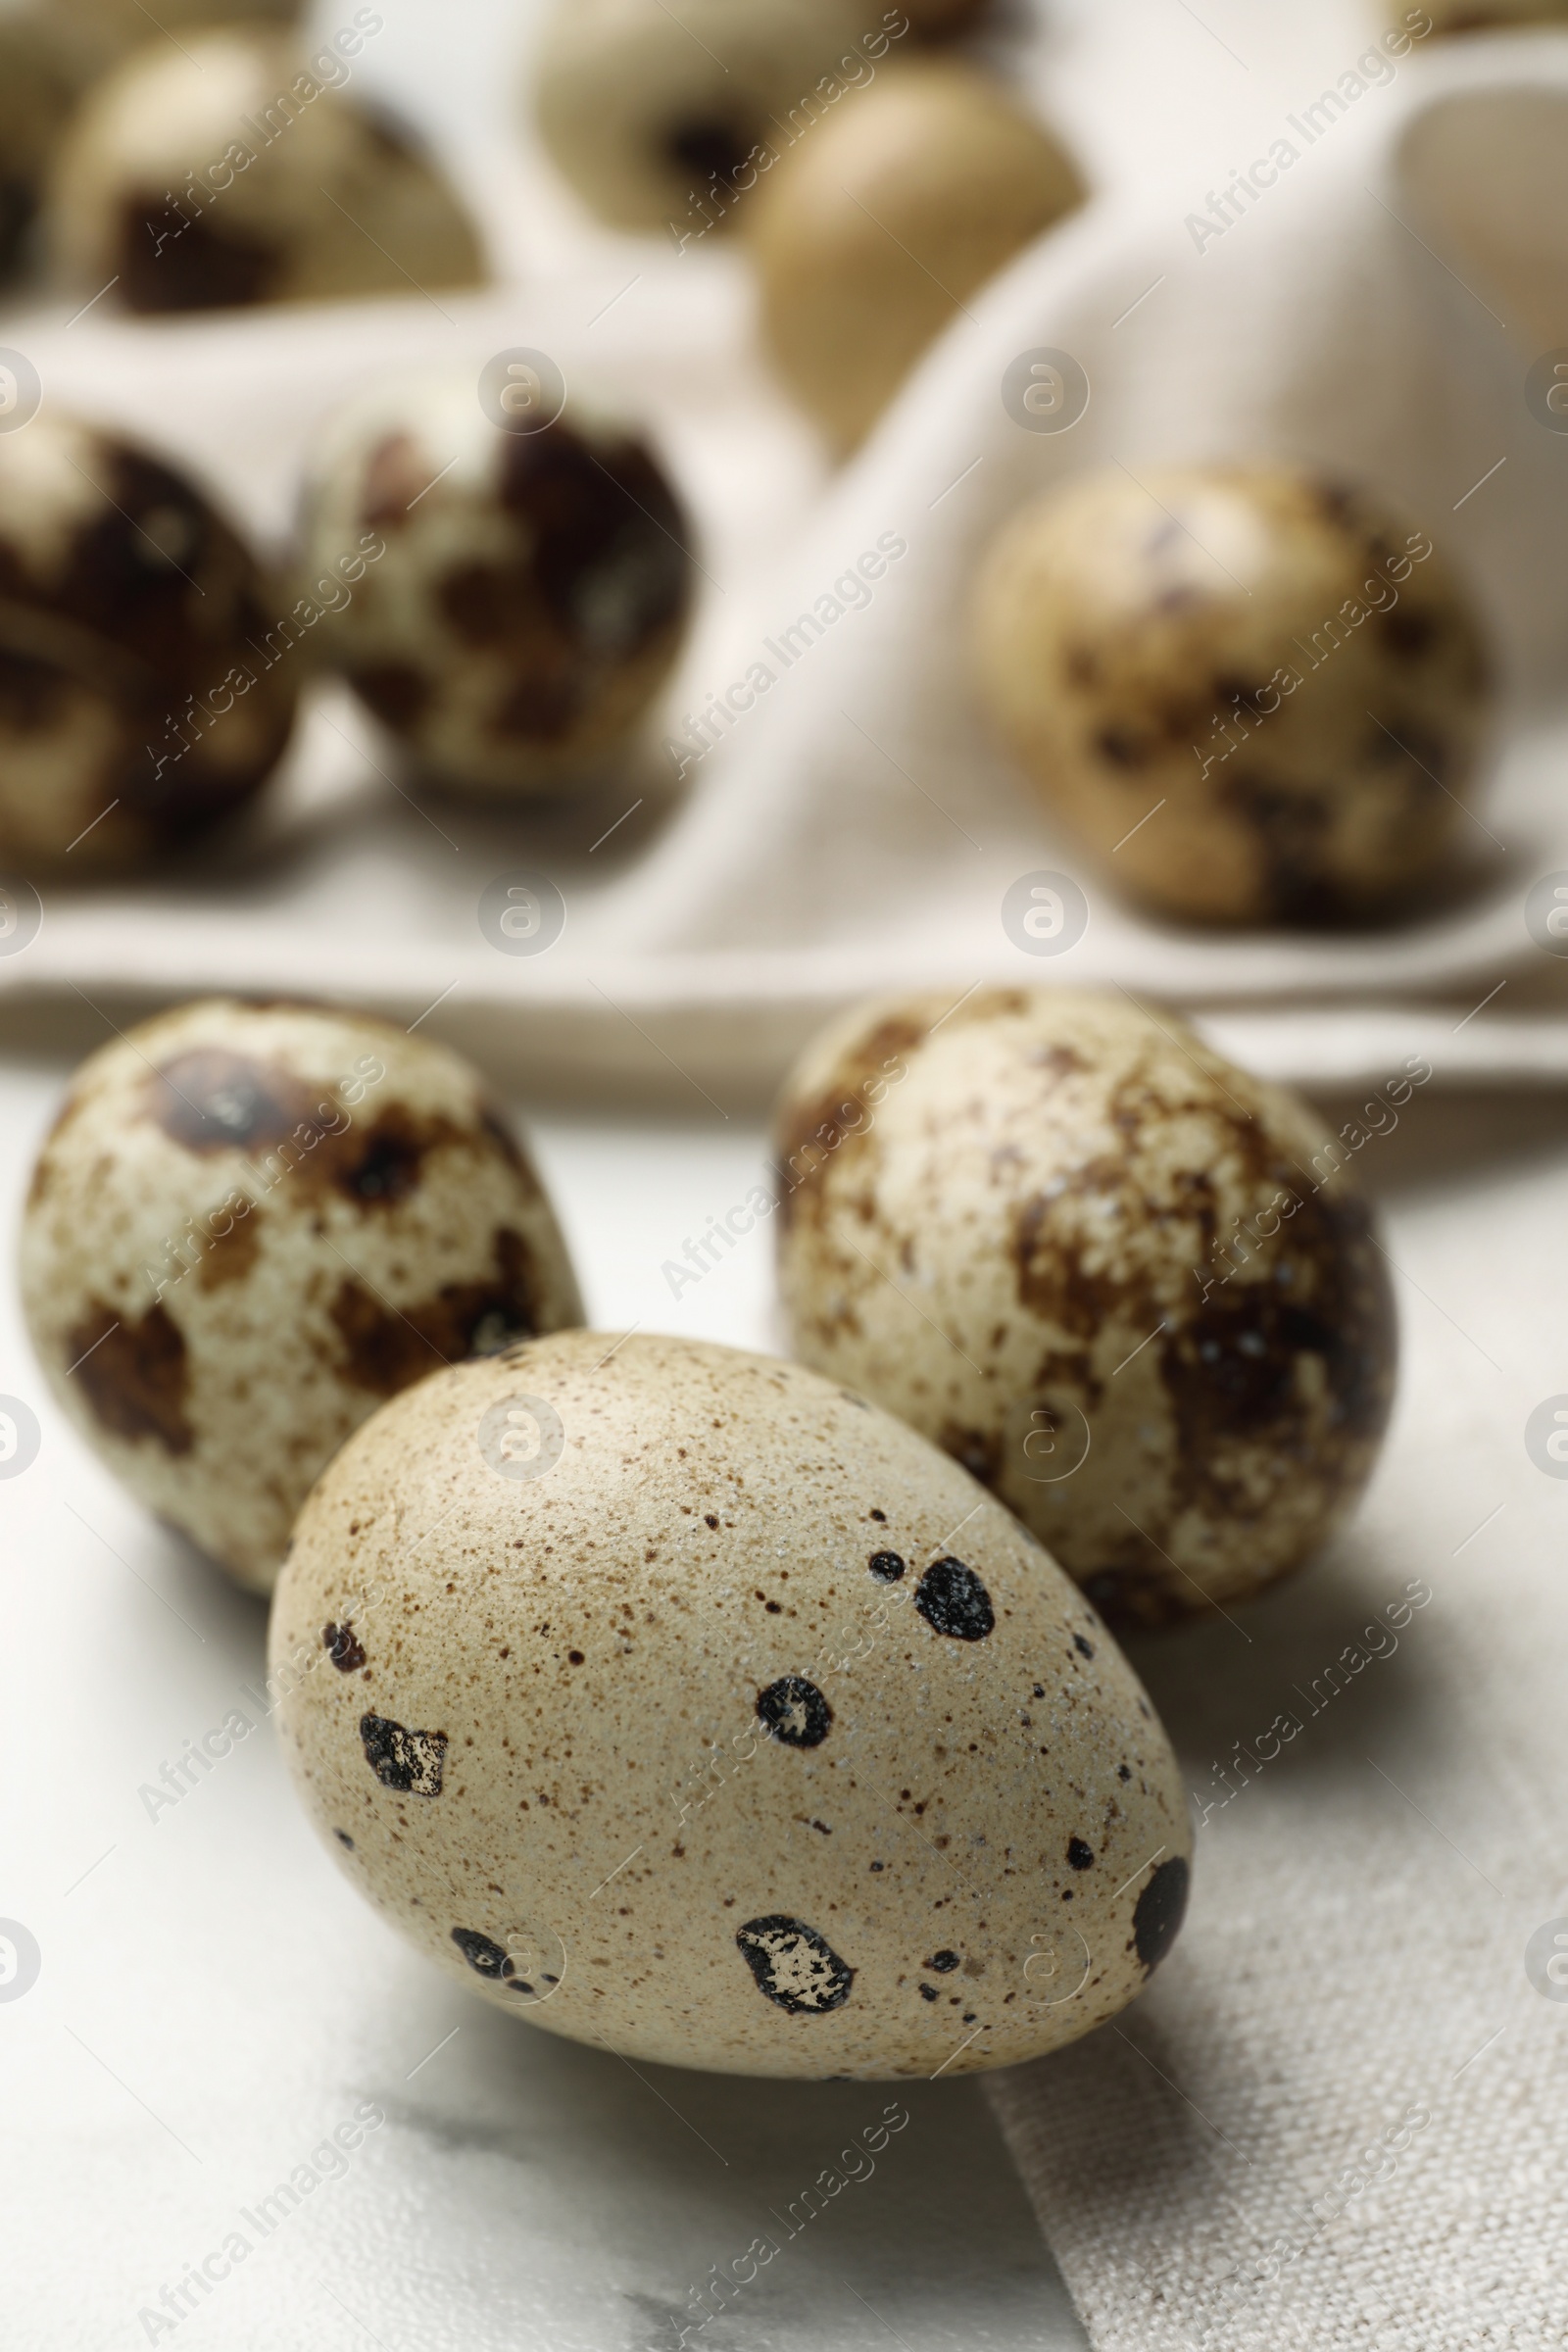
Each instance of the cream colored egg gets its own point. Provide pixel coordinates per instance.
(240, 168)
(872, 229)
(1283, 679)
(527, 592)
(680, 1702)
(250, 1225)
(652, 108)
(1133, 1289)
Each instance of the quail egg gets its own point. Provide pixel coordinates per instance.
(660, 112)
(143, 688)
(37, 87)
(1132, 1289)
(680, 1701)
(869, 234)
(236, 168)
(534, 588)
(1262, 692)
(250, 1225)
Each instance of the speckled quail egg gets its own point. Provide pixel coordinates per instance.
(143, 693)
(678, 1700)
(236, 168)
(653, 109)
(870, 232)
(1131, 1287)
(532, 593)
(1284, 680)
(250, 1225)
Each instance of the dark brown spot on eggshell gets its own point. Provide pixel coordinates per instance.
(343, 1646)
(134, 1374)
(1161, 1909)
(210, 1099)
(795, 1712)
(385, 1347)
(794, 1967)
(952, 1600)
(172, 259)
(228, 1256)
(485, 1955)
(397, 692)
(411, 1762)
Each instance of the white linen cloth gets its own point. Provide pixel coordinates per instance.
(1376, 310)
(1335, 2119)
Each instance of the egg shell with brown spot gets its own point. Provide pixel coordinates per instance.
(593, 1653)
(252, 1223)
(1242, 683)
(292, 186)
(137, 704)
(1030, 1224)
(534, 588)
(640, 105)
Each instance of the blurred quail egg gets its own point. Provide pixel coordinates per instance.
(143, 692)
(869, 234)
(1287, 682)
(1131, 1287)
(532, 593)
(37, 87)
(236, 168)
(680, 1702)
(648, 105)
(251, 1224)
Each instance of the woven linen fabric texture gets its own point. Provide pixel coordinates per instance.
(1337, 2119)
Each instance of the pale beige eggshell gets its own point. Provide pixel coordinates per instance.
(522, 596)
(1052, 1232)
(1243, 684)
(872, 228)
(589, 1677)
(251, 1224)
(637, 101)
(290, 186)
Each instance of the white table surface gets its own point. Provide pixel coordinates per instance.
(214, 1998)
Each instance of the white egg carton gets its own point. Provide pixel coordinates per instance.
(1302, 244)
